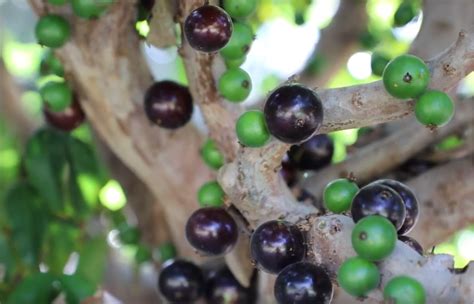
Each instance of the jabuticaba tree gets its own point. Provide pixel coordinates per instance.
(264, 206)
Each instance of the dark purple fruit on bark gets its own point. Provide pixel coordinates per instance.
(212, 231)
(66, 120)
(313, 154)
(412, 243)
(168, 104)
(181, 282)
(378, 199)
(293, 113)
(288, 172)
(208, 28)
(223, 288)
(277, 244)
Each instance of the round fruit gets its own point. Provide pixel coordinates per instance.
(378, 199)
(223, 288)
(129, 235)
(374, 238)
(66, 120)
(235, 85)
(211, 155)
(57, 2)
(368, 40)
(212, 231)
(234, 63)
(57, 95)
(90, 9)
(404, 290)
(52, 31)
(378, 63)
(166, 251)
(168, 104)
(143, 254)
(313, 154)
(181, 281)
(277, 244)
(239, 8)
(289, 172)
(338, 195)
(434, 108)
(303, 283)
(239, 43)
(412, 243)
(208, 28)
(51, 65)
(211, 194)
(404, 14)
(410, 202)
(252, 130)
(406, 76)
(293, 113)
(358, 276)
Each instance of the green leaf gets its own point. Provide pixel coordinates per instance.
(7, 262)
(76, 288)
(92, 260)
(37, 288)
(62, 240)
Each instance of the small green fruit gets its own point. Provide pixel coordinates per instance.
(166, 251)
(239, 43)
(50, 64)
(128, 235)
(252, 130)
(90, 9)
(57, 95)
(235, 85)
(234, 63)
(404, 290)
(143, 254)
(374, 238)
(404, 14)
(211, 195)
(239, 8)
(211, 155)
(52, 31)
(338, 195)
(358, 276)
(378, 63)
(434, 108)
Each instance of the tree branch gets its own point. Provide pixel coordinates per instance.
(162, 26)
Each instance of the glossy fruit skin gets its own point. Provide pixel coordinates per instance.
(303, 283)
(57, 95)
(168, 104)
(374, 238)
(212, 231)
(52, 31)
(51, 65)
(277, 244)
(235, 85)
(252, 130)
(211, 155)
(234, 63)
(313, 154)
(378, 62)
(181, 282)
(211, 195)
(338, 195)
(293, 113)
(239, 43)
(404, 14)
(223, 288)
(406, 76)
(289, 172)
(410, 202)
(434, 108)
(378, 199)
(90, 9)
(412, 243)
(208, 28)
(166, 251)
(66, 120)
(404, 290)
(358, 276)
(239, 8)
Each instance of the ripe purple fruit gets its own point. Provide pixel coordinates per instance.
(288, 172)
(181, 282)
(293, 113)
(313, 154)
(223, 288)
(412, 243)
(66, 120)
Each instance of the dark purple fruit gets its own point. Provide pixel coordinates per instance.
(208, 28)
(288, 172)
(411, 204)
(378, 199)
(181, 282)
(223, 288)
(313, 154)
(277, 244)
(66, 120)
(211, 230)
(168, 104)
(412, 243)
(293, 113)
(303, 283)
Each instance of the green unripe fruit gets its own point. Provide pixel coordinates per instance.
(434, 108)
(358, 276)
(368, 40)
(239, 8)
(57, 95)
(239, 43)
(252, 130)
(143, 254)
(128, 235)
(234, 63)
(90, 9)
(211, 155)
(406, 76)
(338, 195)
(52, 31)
(166, 251)
(235, 85)
(211, 195)
(57, 2)
(404, 14)
(404, 290)
(51, 65)
(374, 238)
(378, 63)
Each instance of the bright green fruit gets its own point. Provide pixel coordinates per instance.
(211, 155)
(57, 95)
(128, 235)
(52, 31)
(434, 108)
(404, 14)
(234, 63)
(368, 40)
(57, 2)
(406, 76)
(239, 8)
(404, 290)
(235, 85)
(89, 9)
(374, 237)
(378, 63)
(358, 276)
(51, 65)
(252, 130)
(166, 251)
(338, 195)
(211, 195)
(143, 254)
(239, 43)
